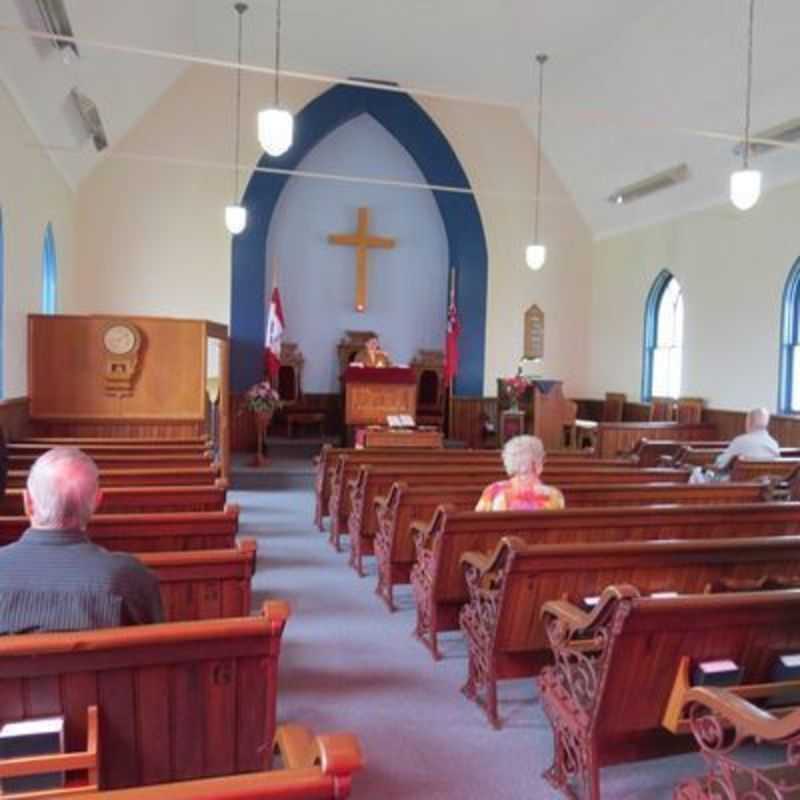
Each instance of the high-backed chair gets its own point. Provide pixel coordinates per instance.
(290, 389)
(614, 406)
(662, 409)
(689, 410)
(431, 391)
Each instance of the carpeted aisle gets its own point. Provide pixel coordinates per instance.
(348, 664)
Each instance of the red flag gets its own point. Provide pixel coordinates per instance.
(453, 331)
(273, 336)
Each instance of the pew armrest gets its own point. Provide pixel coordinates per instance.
(336, 753)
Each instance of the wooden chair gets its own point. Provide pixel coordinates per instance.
(689, 410)
(290, 388)
(431, 391)
(662, 409)
(614, 406)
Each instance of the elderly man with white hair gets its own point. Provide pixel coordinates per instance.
(54, 578)
(755, 443)
(523, 458)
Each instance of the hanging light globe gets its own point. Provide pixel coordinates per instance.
(535, 256)
(275, 131)
(745, 188)
(235, 219)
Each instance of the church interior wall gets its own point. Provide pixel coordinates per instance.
(151, 238)
(33, 193)
(732, 267)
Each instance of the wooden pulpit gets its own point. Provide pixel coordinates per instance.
(371, 394)
(545, 410)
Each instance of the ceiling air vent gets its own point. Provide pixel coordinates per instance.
(655, 183)
(56, 22)
(91, 118)
(785, 132)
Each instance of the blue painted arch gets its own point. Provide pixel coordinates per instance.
(404, 119)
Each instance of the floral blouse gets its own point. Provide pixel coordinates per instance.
(520, 494)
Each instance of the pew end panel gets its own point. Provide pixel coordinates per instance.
(721, 721)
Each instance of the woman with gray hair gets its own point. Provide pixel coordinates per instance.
(523, 457)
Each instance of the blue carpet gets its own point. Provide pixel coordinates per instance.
(348, 664)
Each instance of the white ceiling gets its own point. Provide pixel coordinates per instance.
(632, 87)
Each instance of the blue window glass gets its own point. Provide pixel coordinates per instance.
(789, 376)
(663, 339)
(49, 273)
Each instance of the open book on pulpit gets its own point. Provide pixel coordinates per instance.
(400, 421)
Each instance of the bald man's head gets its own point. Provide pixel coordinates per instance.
(62, 490)
(757, 420)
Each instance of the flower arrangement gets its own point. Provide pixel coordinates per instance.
(262, 398)
(515, 388)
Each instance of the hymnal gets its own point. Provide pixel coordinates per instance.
(32, 737)
(722, 672)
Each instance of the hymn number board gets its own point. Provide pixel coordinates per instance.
(533, 347)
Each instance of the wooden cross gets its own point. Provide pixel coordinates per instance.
(363, 242)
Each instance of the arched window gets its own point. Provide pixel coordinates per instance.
(789, 377)
(49, 272)
(663, 338)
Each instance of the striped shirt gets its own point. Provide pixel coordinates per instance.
(56, 580)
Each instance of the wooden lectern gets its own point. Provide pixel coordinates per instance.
(545, 408)
(371, 394)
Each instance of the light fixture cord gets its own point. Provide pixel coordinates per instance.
(541, 60)
(240, 14)
(749, 85)
(277, 52)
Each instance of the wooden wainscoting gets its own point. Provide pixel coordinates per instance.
(107, 428)
(14, 418)
(786, 429)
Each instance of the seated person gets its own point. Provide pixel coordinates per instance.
(54, 578)
(755, 443)
(372, 355)
(523, 458)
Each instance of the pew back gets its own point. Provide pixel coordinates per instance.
(176, 701)
(189, 476)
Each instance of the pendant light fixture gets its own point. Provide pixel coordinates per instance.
(746, 183)
(276, 124)
(236, 215)
(536, 253)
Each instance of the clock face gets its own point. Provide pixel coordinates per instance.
(119, 340)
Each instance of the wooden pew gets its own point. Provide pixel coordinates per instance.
(87, 441)
(629, 650)
(404, 504)
(177, 701)
(508, 588)
(150, 533)
(105, 461)
(614, 438)
(110, 447)
(313, 768)
(653, 452)
(204, 584)
(437, 578)
(141, 499)
(197, 476)
(372, 482)
(748, 469)
(329, 466)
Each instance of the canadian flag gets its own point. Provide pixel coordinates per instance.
(453, 331)
(273, 336)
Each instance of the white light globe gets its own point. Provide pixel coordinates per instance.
(535, 255)
(235, 219)
(275, 131)
(745, 188)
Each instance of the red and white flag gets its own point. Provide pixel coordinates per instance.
(453, 331)
(274, 335)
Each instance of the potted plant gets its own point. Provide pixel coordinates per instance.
(263, 401)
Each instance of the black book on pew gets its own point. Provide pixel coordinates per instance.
(785, 668)
(722, 672)
(32, 737)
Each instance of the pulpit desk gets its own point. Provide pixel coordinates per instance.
(546, 411)
(373, 393)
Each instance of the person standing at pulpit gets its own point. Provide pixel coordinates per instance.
(372, 355)
(523, 458)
